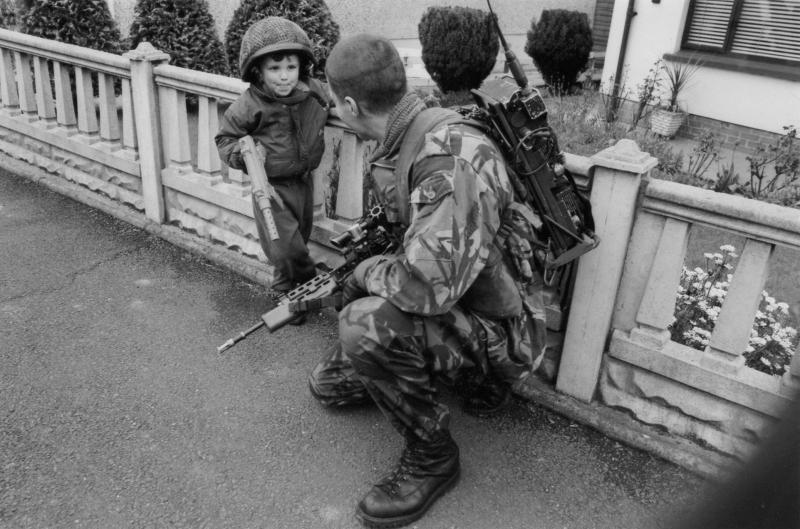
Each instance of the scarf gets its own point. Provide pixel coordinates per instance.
(399, 119)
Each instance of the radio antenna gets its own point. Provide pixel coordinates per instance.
(512, 63)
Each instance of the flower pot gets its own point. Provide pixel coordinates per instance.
(665, 122)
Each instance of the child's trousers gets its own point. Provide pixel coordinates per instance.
(289, 254)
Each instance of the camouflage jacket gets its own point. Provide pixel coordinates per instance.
(459, 191)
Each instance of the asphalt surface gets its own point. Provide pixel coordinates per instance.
(117, 411)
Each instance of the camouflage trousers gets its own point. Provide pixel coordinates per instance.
(395, 359)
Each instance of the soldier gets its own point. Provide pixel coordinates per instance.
(446, 303)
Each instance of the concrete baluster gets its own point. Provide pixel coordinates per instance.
(8, 83)
(65, 108)
(87, 117)
(44, 92)
(148, 128)
(731, 333)
(351, 163)
(175, 122)
(208, 162)
(657, 308)
(791, 379)
(27, 96)
(617, 177)
(109, 120)
(129, 142)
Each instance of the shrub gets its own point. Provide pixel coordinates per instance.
(86, 23)
(700, 296)
(184, 29)
(459, 46)
(559, 44)
(311, 15)
(782, 160)
(9, 14)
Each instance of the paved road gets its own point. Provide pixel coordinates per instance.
(116, 411)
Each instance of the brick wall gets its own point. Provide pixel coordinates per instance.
(730, 135)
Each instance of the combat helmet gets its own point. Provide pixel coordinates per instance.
(269, 35)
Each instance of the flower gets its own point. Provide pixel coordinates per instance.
(699, 299)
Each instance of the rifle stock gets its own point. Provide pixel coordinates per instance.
(262, 190)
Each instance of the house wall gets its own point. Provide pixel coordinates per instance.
(395, 20)
(748, 100)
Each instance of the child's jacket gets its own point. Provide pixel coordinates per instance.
(290, 128)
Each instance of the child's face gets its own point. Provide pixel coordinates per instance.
(281, 76)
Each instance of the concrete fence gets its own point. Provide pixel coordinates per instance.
(140, 132)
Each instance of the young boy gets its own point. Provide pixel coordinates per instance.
(285, 112)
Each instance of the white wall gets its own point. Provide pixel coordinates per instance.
(745, 99)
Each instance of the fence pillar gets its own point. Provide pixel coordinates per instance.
(615, 188)
(148, 129)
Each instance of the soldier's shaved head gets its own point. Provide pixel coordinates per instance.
(368, 69)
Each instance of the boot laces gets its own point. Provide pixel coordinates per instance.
(405, 469)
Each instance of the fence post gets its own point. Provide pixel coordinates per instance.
(615, 187)
(148, 128)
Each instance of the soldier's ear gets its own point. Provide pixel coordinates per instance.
(351, 106)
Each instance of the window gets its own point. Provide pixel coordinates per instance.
(763, 29)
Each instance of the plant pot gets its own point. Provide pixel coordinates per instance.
(665, 122)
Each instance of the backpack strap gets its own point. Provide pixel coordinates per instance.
(424, 122)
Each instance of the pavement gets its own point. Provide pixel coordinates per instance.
(116, 411)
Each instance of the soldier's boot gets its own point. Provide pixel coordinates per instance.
(426, 471)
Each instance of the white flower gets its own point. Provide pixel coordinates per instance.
(727, 248)
(765, 362)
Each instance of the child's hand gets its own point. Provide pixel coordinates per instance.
(261, 151)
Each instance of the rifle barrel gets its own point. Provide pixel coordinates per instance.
(241, 336)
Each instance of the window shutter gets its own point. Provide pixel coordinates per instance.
(769, 29)
(709, 23)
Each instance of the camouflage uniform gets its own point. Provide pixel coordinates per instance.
(446, 301)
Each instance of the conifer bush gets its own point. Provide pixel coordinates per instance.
(184, 29)
(8, 14)
(311, 15)
(559, 44)
(86, 23)
(459, 46)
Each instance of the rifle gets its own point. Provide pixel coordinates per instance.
(517, 117)
(262, 190)
(367, 237)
